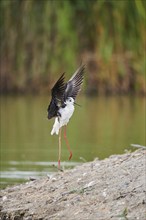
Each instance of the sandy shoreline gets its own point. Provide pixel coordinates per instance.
(113, 188)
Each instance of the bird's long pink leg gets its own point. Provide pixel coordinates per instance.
(59, 150)
(67, 143)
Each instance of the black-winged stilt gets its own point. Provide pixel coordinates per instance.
(62, 104)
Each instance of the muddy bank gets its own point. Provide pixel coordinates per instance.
(113, 188)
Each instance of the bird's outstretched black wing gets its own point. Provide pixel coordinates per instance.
(57, 93)
(58, 89)
(73, 86)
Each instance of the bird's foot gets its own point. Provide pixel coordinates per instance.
(59, 168)
(70, 156)
(58, 164)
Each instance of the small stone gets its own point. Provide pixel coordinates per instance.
(32, 178)
(104, 194)
(89, 184)
(53, 179)
(4, 198)
(17, 217)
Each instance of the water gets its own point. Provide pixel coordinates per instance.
(101, 127)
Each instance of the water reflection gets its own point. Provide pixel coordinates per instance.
(101, 127)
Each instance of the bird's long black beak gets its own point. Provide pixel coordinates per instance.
(77, 104)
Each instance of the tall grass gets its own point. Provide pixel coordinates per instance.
(42, 38)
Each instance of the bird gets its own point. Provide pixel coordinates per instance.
(62, 103)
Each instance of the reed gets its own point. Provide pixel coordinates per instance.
(39, 39)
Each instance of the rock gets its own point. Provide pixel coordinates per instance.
(105, 189)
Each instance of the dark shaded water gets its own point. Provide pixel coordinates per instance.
(101, 127)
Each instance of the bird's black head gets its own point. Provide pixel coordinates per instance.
(69, 100)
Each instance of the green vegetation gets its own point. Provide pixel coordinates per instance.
(40, 39)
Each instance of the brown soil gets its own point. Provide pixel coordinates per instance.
(113, 188)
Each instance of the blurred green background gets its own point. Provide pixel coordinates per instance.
(41, 39)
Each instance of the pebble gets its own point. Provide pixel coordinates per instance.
(89, 184)
(4, 198)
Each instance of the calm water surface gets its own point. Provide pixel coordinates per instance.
(101, 127)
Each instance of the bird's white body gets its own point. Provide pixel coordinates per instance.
(66, 114)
